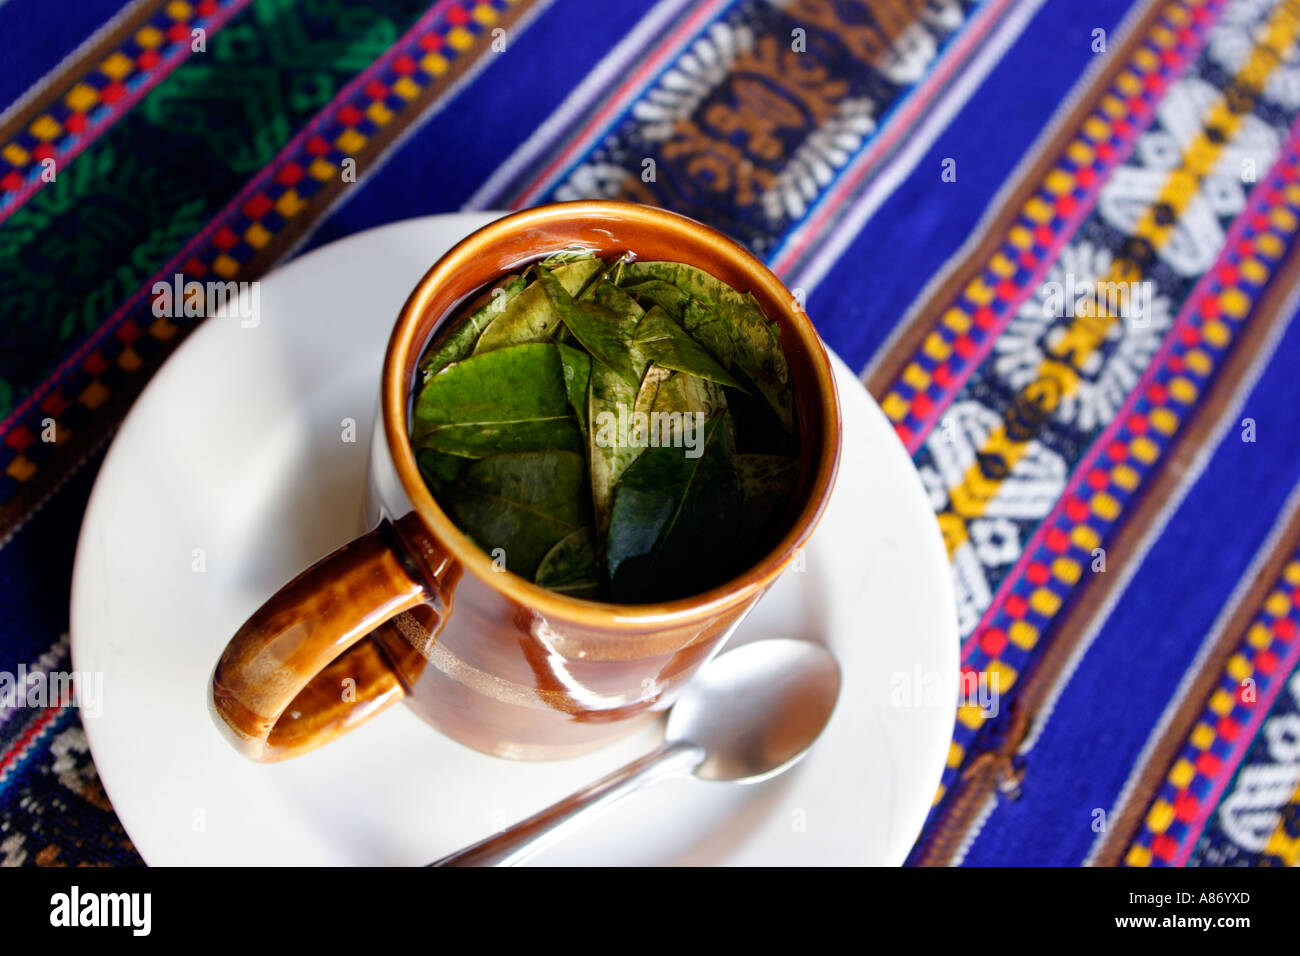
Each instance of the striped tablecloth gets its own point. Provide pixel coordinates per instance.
(1058, 240)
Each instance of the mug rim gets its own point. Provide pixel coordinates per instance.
(396, 393)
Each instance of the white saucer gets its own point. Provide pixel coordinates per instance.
(236, 448)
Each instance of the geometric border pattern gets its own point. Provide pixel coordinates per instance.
(1133, 448)
(1113, 471)
(968, 327)
(1266, 654)
(86, 107)
(1110, 476)
(133, 339)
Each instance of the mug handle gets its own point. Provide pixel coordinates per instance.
(279, 689)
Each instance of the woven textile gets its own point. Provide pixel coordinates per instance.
(1059, 244)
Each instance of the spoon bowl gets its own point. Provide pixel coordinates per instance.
(756, 710)
(749, 715)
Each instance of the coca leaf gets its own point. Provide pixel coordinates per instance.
(673, 522)
(475, 408)
(595, 327)
(521, 503)
(571, 566)
(663, 341)
(730, 325)
(530, 316)
(459, 339)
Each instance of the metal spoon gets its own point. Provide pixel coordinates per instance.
(749, 714)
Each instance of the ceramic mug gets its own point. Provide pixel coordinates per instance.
(414, 610)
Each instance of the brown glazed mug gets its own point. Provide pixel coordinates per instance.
(414, 610)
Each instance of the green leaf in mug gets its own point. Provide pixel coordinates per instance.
(609, 400)
(593, 283)
(522, 503)
(690, 393)
(571, 566)
(577, 378)
(672, 401)
(438, 468)
(765, 483)
(595, 327)
(749, 346)
(663, 341)
(673, 521)
(465, 410)
(731, 325)
(459, 340)
(626, 310)
(530, 315)
(693, 282)
(651, 292)
(647, 396)
(568, 254)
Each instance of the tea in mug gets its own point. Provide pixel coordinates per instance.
(614, 430)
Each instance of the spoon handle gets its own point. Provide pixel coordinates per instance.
(524, 840)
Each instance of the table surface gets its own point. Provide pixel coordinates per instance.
(1058, 243)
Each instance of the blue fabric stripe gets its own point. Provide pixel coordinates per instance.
(439, 168)
(50, 30)
(1087, 751)
(35, 571)
(925, 220)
